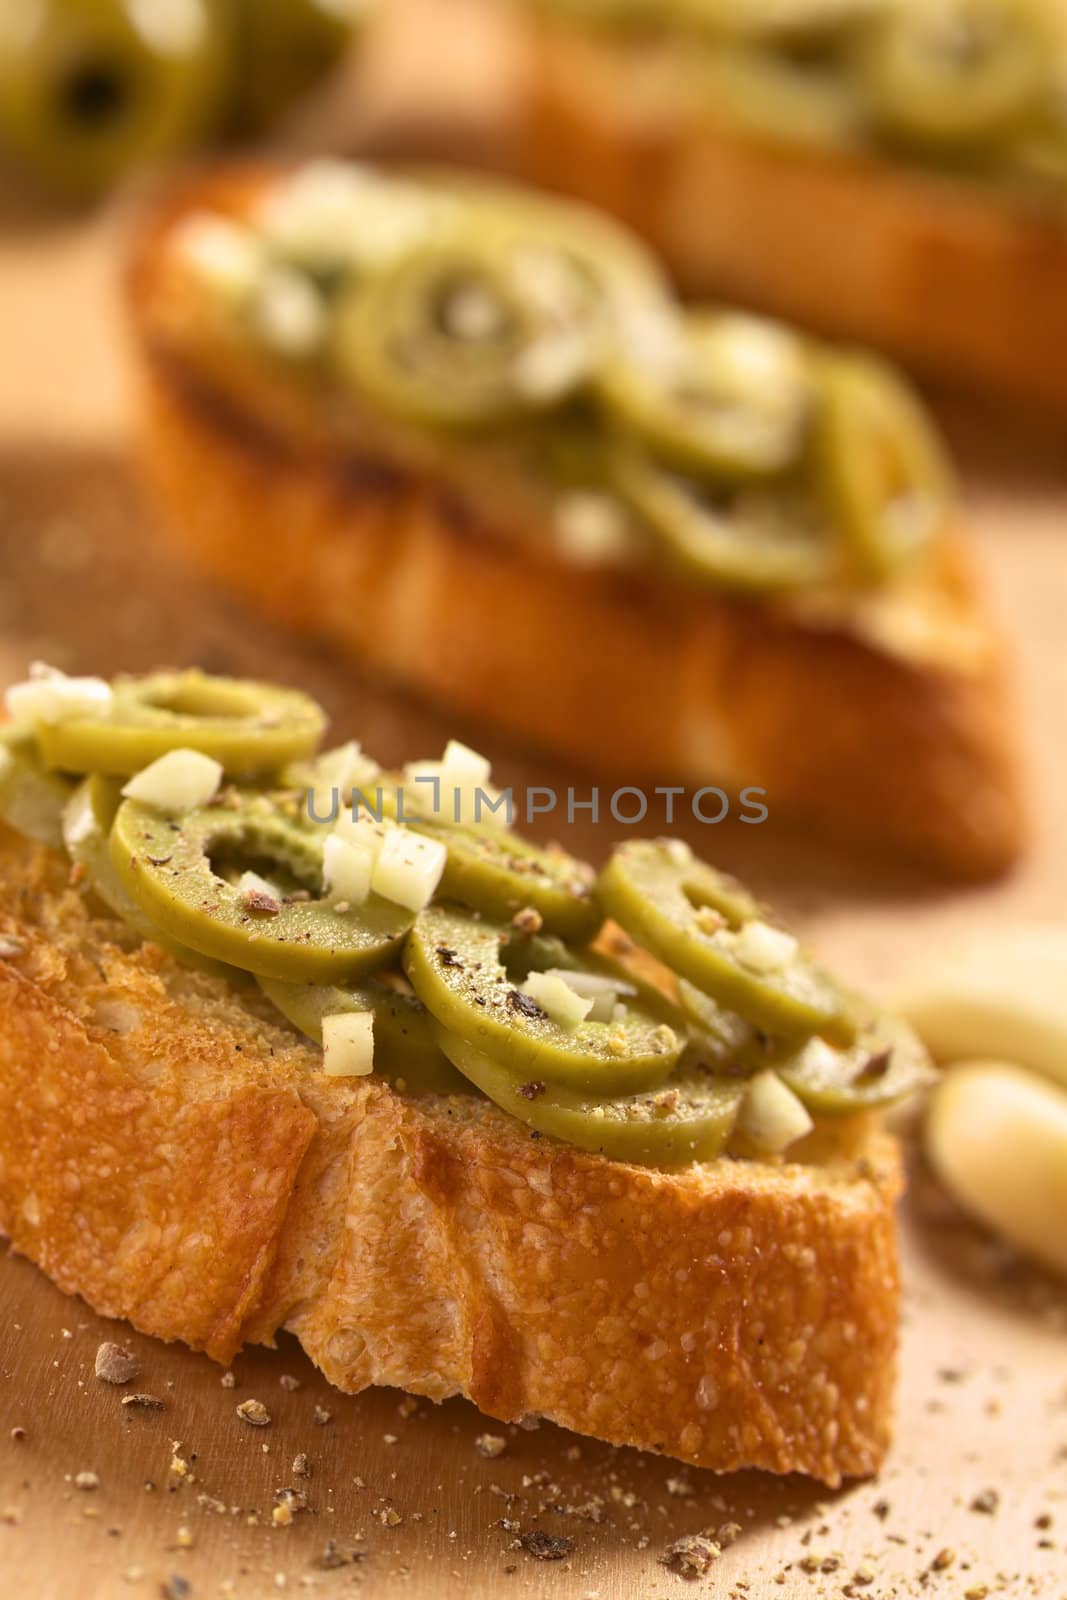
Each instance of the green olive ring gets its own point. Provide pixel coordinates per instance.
(771, 22)
(31, 796)
(958, 74)
(688, 916)
(498, 874)
(688, 1119)
(881, 469)
(406, 1051)
(725, 1040)
(752, 545)
(886, 1064)
(453, 337)
(166, 866)
(456, 965)
(87, 821)
(733, 406)
(250, 728)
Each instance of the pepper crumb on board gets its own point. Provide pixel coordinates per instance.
(545, 1546)
(987, 1503)
(145, 1402)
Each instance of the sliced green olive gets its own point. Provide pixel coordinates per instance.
(733, 403)
(469, 332)
(781, 22)
(948, 74)
(406, 1052)
(689, 1119)
(782, 99)
(458, 968)
(87, 819)
(750, 542)
(886, 481)
(497, 873)
(726, 1040)
(712, 932)
(185, 874)
(251, 728)
(885, 1064)
(31, 796)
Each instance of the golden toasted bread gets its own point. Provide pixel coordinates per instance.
(173, 1152)
(882, 718)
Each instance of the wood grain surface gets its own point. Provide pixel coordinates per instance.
(400, 1500)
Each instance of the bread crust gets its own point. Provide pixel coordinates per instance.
(959, 281)
(172, 1152)
(914, 754)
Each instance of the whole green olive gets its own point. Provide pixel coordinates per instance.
(92, 88)
(282, 49)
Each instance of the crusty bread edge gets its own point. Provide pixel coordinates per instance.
(960, 281)
(177, 1159)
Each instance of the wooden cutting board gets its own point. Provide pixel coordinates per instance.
(400, 1500)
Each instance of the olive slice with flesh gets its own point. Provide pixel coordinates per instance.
(185, 873)
(886, 1064)
(469, 332)
(712, 932)
(751, 541)
(250, 728)
(406, 1052)
(949, 74)
(731, 401)
(31, 796)
(498, 874)
(87, 819)
(886, 481)
(458, 967)
(688, 1119)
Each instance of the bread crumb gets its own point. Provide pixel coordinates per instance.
(115, 1364)
(289, 1383)
(490, 1445)
(322, 1416)
(228, 1380)
(86, 1480)
(254, 1412)
(148, 1402)
(545, 1546)
(691, 1556)
(301, 1466)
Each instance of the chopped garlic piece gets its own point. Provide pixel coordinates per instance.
(464, 765)
(771, 1115)
(347, 865)
(49, 696)
(764, 949)
(602, 990)
(348, 1044)
(560, 1003)
(591, 528)
(408, 868)
(289, 312)
(223, 254)
(335, 212)
(179, 781)
(259, 894)
(547, 368)
(79, 820)
(457, 788)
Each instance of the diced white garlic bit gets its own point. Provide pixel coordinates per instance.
(333, 213)
(762, 948)
(561, 1004)
(179, 781)
(679, 853)
(546, 369)
(258, 892)
(289, 312)
(603, 991)
(996, 1135)
(464, 765)
(223, 254)
(591, 529)
(347, 865)
(348, 1044)
(771, 1115)
(49, 696)
(457, 788)
(79, 820)
(408, 868)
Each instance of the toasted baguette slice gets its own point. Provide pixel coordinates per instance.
(173, 1153)
(886, 721)
(959, 279)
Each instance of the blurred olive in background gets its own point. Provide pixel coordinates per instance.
(90, 89)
